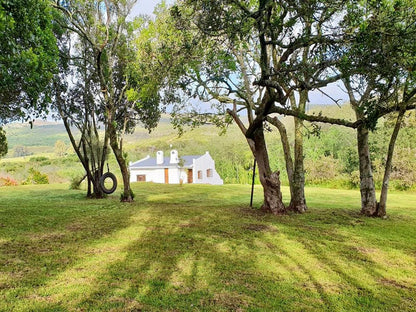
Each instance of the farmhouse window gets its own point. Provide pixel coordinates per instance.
(200, 174)
(209, 173)
(141, 178)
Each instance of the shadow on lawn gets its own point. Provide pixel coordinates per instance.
(46, 233)
(219, 265)
(186, 255)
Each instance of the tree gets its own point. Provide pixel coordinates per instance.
(262, 57)
(379, 75)
(21, 151)
(75, 90)
(28, 56)
(112, 88)
(60, 148)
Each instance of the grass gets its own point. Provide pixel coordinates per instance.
(201, 248)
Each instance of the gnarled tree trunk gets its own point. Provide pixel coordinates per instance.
(118, 153)
(269, 180)
(286, 150)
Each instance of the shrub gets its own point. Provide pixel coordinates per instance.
(322, 170)
(38, 158)
(35, 177)
(355, 179)
(20, 151)
(402, 185)
(76, 182)
(8, 181)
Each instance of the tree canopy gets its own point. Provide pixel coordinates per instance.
(264, 57)
(28, 57)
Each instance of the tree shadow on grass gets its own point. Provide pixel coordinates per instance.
(189, 255)
(219, 265)
(41, 241)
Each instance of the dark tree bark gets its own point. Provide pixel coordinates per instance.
(286, 150)
(118, 153)
(93, 175)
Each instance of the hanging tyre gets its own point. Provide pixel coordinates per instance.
(104, 187)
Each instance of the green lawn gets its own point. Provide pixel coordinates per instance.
(201, 248)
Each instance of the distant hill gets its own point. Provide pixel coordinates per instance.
(41, 134)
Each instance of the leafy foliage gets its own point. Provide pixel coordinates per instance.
(36, 177)
(28, 57)
(3, 143)
(8, 181)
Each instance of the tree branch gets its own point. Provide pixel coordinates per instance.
(315, 118)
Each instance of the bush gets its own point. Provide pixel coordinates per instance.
(355, 179)
(7, 181)
(20, 151)
(401, 185)
(38, 158)
(322, 170)
(76, 182)
(35, 177)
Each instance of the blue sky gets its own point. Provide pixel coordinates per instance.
(146, 6)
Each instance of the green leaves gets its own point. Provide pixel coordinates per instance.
(3, 143)
(28, 56)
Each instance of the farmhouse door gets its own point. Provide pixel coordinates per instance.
(190, 174)
(166, 176)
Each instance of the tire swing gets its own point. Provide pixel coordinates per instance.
(112, 177)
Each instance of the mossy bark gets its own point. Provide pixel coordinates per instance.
(367, 188)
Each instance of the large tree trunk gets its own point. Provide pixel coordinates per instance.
(118, 153)
(298, 201)
(382, 205)
(270, 181)
(367, 188)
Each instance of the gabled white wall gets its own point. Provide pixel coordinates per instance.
(157, 175)
(202, 164)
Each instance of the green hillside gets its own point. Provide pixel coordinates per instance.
(42, 133)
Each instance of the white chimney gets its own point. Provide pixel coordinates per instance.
(159, 157)
(174, 158)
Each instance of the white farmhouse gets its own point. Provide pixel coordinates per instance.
(174, 169)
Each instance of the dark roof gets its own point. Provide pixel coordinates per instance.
(150, 162)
